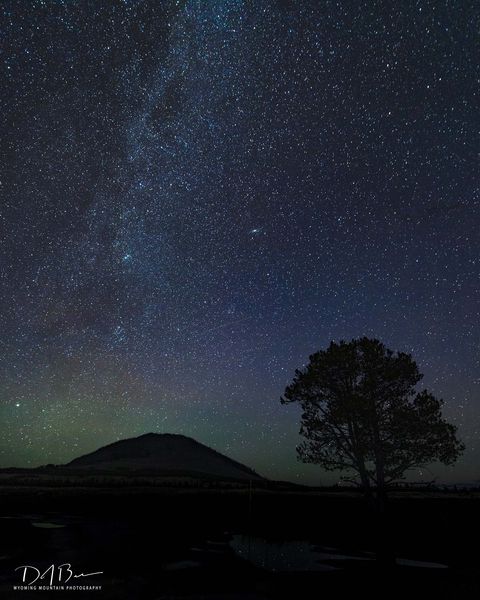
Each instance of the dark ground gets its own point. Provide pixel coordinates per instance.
(172, 542)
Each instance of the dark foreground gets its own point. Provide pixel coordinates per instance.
(255, 544)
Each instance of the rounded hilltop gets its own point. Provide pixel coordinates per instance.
(168, 453)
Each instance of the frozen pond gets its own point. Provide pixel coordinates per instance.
(288, 556)
(46, 525)
(304, 556)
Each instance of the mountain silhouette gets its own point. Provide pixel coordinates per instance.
(163, 452)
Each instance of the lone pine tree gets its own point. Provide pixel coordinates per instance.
(362, 414)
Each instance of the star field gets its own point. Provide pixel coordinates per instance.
(198, 195)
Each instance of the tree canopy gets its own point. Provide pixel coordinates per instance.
(362, 413)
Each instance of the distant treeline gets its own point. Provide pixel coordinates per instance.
(44, 478)
(192, 481)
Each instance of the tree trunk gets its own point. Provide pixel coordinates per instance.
(385, 550)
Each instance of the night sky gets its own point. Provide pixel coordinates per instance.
(196, 195)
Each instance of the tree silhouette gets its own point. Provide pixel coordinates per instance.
(362, 414)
